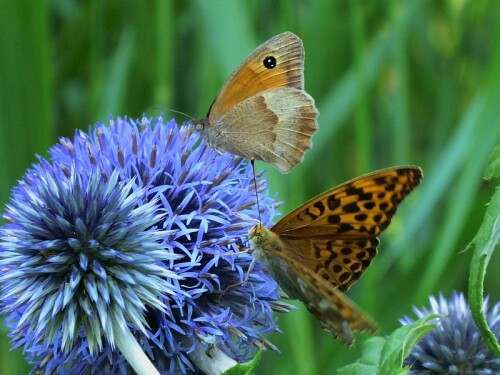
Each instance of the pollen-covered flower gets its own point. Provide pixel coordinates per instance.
(134, 225)
(455, 345)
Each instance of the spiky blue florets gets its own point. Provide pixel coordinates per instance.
(455, 345)
(132, 225)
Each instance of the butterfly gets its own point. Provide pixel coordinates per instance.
(262, 111)
(321, 248)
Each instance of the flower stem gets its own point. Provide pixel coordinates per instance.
(210, 359)
(132, 352)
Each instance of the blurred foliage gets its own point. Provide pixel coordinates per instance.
(396, 82)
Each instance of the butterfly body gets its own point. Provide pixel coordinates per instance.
(264, 244)
(321, 248)
(262, 111)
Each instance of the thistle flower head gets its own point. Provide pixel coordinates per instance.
(132, 224)
(455, 345)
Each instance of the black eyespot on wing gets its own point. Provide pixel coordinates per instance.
(269, 62)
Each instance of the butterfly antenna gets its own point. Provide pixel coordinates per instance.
(252, 161)
(180, 113)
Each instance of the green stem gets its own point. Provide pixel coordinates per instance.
(133, 353)
(485, 241)
(210, 359)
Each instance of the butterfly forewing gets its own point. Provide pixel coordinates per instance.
(360, 208)
(335, 234)
(251, 77)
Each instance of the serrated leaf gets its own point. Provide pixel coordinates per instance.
(485, 241)
(402, 341)
(386, 355)
(416, 334)
(247, 368)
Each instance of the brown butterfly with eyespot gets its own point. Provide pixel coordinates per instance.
(317, 251)
(262, 111)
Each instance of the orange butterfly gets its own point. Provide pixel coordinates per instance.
(317, 251)
(262, 111)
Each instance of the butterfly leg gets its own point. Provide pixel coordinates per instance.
(247, 277)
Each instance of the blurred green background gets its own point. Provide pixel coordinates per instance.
(396, 82)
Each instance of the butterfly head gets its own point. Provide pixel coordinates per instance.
(257, 235)
(199, 125)
(202, 124)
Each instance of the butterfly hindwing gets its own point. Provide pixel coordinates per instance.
(335, 311)
(339, 262)
(279, 125)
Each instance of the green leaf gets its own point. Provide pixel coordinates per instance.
(493, 169)
(386, 355)
(247, 368)
(484, 243)
(372, 350)
(358, 369)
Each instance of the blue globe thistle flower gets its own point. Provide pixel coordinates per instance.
(455, 345)
(131, 226)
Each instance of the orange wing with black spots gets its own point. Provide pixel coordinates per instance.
(340, 262)
(335, 234)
